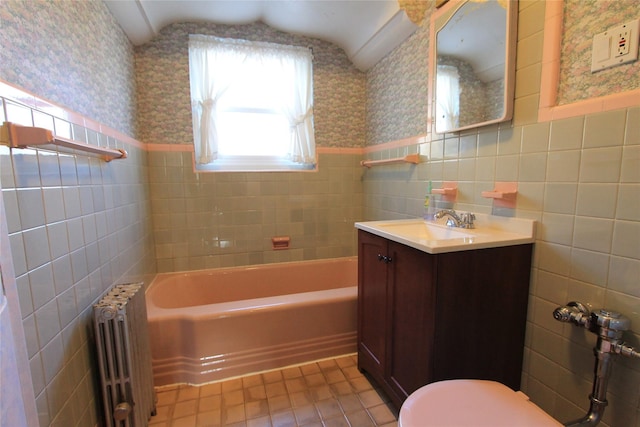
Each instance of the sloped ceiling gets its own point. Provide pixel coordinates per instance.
(367, 30)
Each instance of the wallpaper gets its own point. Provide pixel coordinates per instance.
(582, 20)
(71, 53)
(397, 91)
(164, 105)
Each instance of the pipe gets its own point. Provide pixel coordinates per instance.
(609, 326)
(598, 396)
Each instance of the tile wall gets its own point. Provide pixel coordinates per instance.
(208, 220)
(77, 226)
(579, 177)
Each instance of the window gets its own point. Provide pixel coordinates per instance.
(447, 105)
(252, 105)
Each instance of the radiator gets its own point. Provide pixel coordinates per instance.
(124, 356)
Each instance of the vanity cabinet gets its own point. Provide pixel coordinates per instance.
(429, 317)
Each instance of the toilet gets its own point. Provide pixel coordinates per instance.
(471, 403)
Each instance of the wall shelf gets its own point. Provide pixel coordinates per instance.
(411, 158)
(17, 136)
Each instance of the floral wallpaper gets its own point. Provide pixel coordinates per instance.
(397, 90)
(582, 20)
(164, 105)
(71, 53)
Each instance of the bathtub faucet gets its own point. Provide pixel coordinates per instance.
(464, 220)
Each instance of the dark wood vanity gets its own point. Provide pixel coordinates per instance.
(428, 317)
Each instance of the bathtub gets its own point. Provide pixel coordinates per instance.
(208, 325)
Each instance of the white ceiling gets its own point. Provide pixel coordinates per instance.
(367, 30)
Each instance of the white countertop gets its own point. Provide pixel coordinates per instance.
(434, 237)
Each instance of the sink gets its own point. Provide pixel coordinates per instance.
(490, 232)
(424, 230)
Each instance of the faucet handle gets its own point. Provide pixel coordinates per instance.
(467, 219)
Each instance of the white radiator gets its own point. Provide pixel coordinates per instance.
(124, 356)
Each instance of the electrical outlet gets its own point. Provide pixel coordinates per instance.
(622, 39)
(618, 45)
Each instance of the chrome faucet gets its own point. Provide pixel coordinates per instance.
(464, 220)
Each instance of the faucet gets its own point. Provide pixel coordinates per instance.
(465, 220)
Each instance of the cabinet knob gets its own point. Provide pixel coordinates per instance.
(384, 258)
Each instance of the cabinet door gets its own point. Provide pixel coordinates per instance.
(372, 304)
(412, 299)
(482, 308)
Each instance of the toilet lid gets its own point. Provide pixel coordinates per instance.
(458, 403)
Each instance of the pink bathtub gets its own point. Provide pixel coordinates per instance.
(208, 325)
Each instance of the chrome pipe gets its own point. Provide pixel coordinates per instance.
(609, 326)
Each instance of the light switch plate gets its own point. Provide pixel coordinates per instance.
(606, 46)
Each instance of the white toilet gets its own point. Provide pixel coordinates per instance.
(471, 403)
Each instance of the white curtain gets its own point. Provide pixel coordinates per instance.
(209, 80)
(217, 64)
(448, 98)
(298, 107)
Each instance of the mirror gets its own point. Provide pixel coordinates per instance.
(473, 77)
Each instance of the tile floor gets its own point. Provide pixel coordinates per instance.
(326, 393)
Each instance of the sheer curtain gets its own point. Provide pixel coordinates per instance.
(298, 107)
(217, 64)
(448, 98)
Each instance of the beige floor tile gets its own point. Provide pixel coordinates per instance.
(306, 415)
(311, 368)
(256, 392)
(210, 403)
(183, 409)
(272, 376)
(360, 419)
(279, 403)
(210, 389)
(301, 398)
(315, 379)
(260, 422)
(381, 414)
(342, 388)
(188, 393)
(256, 409)
(370, 398)
(232, 385)
(208, 418)
(334, 375)
(295, 384)
(252, 381)
(283, 419)
(189, 421)
(233, 398)
(350, 403)
(327, 393)
(320, 393)
(293, 372)
(233, 414)
(329, 408)
(339, 421)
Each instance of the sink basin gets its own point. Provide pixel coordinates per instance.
(424, 230)
(490, 232)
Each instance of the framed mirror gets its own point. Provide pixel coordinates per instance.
(472, 72)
